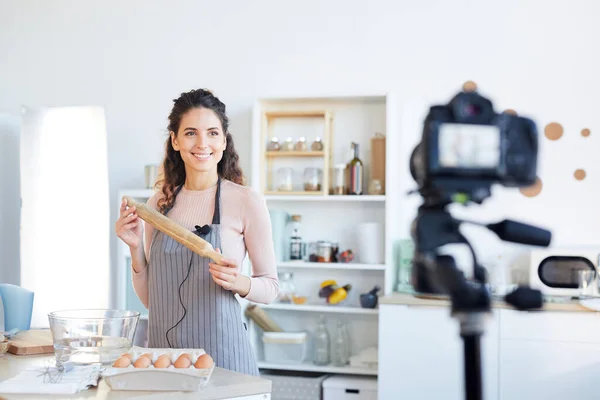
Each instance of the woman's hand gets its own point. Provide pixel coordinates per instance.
(226, 275)
(129, 227)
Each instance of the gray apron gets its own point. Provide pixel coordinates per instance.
(187, 309)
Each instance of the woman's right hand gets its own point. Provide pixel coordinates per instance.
(129, 227)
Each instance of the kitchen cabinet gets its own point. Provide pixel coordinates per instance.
(421, 354)
(548, 354)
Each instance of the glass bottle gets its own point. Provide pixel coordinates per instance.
(321, 343)
(340, 346)
(296, 252)
(355, 172)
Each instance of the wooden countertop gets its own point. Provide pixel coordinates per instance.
(223, 384)
(433, 301)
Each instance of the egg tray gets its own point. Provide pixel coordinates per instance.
(158, 379)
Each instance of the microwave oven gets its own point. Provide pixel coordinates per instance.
(554, 271)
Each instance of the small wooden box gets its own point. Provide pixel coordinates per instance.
(378, 159)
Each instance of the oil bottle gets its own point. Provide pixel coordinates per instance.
(355, 172)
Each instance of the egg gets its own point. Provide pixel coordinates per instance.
(127, 355)
(184, 361)
(204, 362)
(142, 362)
(122, 362)
(163, 361)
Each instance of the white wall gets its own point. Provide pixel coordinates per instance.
(134, 57)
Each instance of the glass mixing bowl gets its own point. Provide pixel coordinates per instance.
(91, 336)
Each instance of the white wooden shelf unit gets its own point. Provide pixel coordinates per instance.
(329, 217)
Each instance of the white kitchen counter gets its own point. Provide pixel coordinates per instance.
(442, 301)
(223, 384)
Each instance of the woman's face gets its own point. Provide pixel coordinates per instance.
(200, 140)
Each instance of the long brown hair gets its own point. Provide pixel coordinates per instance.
(173, 166)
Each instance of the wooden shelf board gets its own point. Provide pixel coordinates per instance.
(284, 154)
(296, 114)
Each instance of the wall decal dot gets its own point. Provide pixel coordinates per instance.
(510, 111)
(579, 174)
(533, 190)
(469, 86)
(585, 132)
(553, 131)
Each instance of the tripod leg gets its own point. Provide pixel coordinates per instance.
(473, 385)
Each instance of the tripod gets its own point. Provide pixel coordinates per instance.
(470, 299)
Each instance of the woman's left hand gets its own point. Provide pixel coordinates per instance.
(226, 275)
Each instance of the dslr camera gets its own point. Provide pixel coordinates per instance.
(466, 147)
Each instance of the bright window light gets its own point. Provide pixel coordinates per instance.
(65, 217)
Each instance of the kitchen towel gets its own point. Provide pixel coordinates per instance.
(369, 243)
(48, 380)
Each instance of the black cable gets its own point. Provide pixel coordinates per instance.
(180, 301)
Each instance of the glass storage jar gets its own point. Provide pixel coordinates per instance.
(317, 145)
(287, 289)
(301, 144)
(288, 145)
(285, 180)
(273, 145)
(312, 179)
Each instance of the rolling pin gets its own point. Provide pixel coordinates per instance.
(174, 230)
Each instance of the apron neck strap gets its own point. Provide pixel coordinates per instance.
(217, 213)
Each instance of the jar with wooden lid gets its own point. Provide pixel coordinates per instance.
(301, 144)
(317, 145)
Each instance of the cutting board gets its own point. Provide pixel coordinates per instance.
(32, 342)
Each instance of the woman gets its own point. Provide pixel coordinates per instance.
(191, 300)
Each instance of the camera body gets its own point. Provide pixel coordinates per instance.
(466, 147)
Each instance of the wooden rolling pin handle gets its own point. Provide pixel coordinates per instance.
(174, 230)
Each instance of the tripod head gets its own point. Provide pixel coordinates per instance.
(436, 273)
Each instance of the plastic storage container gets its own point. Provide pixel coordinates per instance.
(284, 347)
(350, 388)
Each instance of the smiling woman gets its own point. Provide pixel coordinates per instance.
(191, 300)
